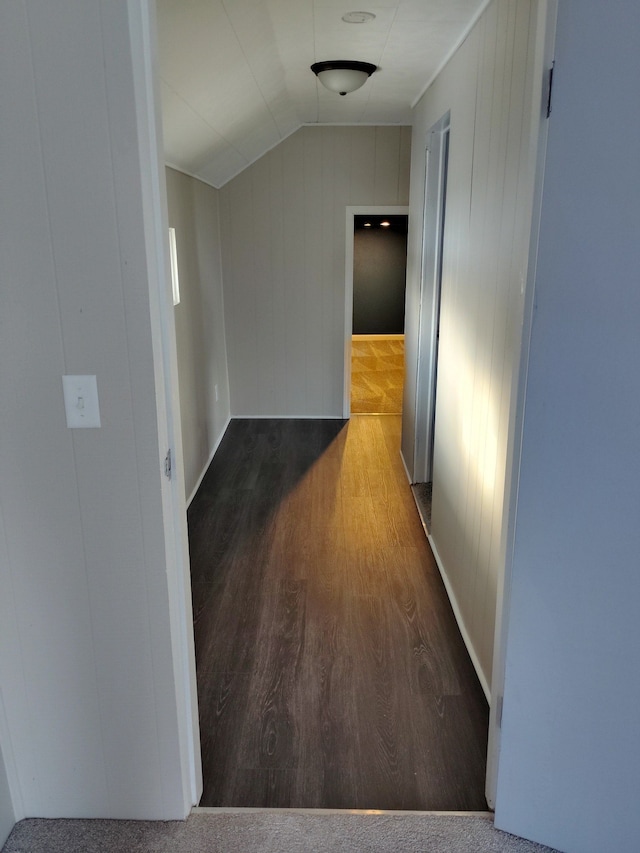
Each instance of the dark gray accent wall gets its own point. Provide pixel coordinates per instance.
(379, 272)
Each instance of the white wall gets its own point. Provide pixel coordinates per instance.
(86, 665)
(569, 771)
(199, 322)
(494, 98)
(283, 241)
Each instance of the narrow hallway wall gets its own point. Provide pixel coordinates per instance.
(199, 321)
(494, 101)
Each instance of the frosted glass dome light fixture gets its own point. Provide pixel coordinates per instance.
(343, 75)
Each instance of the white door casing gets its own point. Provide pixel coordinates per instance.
(351, 213)
(547, 14)
(144, 53)
(430, 288)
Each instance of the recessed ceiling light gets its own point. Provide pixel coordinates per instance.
(358, 17)
(367, 225)
(385, 224)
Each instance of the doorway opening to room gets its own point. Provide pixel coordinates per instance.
(376, 262)
(377, 342)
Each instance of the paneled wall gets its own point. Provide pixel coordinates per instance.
(86, 656)
(494, 100)
(283, 241)
(199, 321)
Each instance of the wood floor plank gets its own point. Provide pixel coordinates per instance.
(330, 670)
(268, 739)
(327, 766)
(224, 695)
(382, 752)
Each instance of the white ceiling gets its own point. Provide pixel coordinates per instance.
(235, 77)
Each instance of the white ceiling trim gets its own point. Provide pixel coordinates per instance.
(455, 47)
(356, 124)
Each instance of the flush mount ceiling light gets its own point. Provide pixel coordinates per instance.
(343, 75)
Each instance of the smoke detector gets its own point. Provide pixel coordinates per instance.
(358, 17)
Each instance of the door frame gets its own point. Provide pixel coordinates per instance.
(433, 232)
(545, 49)
(142, 30)
(351, 212)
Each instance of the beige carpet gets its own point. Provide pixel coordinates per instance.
(270, 832)
(377, 376)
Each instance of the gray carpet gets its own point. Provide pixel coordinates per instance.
(270, 832)
(422, 497)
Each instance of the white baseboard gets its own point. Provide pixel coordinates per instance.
(208, 462)
(406, 470)
(454, 605)
(377, 337)
(461, 625)
(288, 417)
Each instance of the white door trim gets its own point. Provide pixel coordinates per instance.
(547, 16)
(430, 286)
(351, 213)
(142, 29)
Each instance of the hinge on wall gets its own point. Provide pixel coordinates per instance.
(550, 88)
(167, 464)
(499, 712)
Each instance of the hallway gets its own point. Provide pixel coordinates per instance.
(331, 672)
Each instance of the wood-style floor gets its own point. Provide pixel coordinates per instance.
(377, 375)
(331, 673)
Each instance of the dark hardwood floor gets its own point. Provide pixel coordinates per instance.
(331, 673)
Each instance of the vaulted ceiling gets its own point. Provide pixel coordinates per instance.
(235, 77)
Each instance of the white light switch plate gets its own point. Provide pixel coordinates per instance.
(81, 401)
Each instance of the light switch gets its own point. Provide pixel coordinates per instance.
(81, 401)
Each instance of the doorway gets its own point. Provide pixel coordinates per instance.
(377, 343)
(375, 271)
(436, 165)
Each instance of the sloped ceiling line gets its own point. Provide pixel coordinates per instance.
(235, 78)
